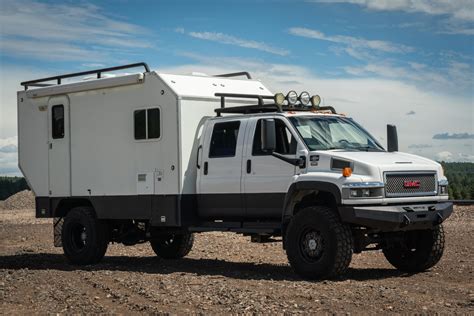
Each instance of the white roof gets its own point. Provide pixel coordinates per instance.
(206, 87)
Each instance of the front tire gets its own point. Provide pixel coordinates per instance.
(84, 237)
(419, 250)
(172, 246)
(318, 244)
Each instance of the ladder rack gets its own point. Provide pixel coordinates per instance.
(98, 72)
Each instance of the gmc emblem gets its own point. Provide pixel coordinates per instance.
(411, 184)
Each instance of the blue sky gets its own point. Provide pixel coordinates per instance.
(400, 61)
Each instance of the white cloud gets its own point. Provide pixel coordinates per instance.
(457, 9)
(232, 40)
(9, 156)
(444, 156)
(455, 76)
(352, 42)
(456, 16)
(64, 31)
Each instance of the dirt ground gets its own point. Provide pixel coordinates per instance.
(224, 273)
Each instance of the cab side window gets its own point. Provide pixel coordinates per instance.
(285, 142)
(224, 139)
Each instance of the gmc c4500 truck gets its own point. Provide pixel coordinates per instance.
(153, 157)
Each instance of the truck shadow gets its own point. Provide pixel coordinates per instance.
(200, 267)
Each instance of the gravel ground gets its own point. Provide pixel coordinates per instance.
(224, 273)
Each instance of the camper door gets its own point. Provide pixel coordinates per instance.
(59, 146)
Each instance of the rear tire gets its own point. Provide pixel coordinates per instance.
(318, 244)
(84, 237)
(419, 251)
(173, 246)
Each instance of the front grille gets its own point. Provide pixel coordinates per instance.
(395, 184)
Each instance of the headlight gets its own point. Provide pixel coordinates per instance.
(443, 187)
(304, 98)
(361, 190)
(292, 98)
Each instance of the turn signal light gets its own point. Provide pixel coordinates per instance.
(347, 171)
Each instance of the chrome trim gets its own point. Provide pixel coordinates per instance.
(401, 195)
(361, 185)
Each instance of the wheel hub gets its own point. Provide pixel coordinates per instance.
(312, 245)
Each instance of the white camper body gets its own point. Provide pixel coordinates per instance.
(98, 155)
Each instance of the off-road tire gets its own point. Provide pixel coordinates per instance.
(172, 246)
(421, 250)
(336, 246)
(84, 250)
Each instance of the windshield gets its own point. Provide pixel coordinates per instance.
(332, 132)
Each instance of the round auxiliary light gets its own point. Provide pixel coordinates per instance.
(304, 98)
(292, 98)
(315, 100)
(279, 99)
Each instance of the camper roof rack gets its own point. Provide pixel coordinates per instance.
(261, 107)
(40, 82)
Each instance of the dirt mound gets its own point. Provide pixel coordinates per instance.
(21, 200)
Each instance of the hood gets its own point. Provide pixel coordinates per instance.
(389, 160)
(374, 164)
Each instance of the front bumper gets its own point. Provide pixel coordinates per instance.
(397, 217)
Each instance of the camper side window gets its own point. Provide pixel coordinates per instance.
(57, 122)
(147, 124)
(224, 139)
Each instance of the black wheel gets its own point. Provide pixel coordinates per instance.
(172, 246)
(419, 250)
(318, 245)
(84, 237)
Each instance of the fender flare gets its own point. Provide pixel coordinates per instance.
(308, 185)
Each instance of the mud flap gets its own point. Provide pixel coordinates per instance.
(57, 227)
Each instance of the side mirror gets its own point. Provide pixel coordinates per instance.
(392, 138)
(268, 134)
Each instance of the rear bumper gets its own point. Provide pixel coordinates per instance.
(397, 217)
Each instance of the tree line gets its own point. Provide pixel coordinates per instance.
(461, 179)
(460, 176)
(11, 185)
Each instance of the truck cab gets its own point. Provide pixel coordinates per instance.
(289, 164)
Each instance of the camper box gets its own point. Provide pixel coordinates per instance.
(125, 144)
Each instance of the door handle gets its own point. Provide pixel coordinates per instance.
(50, 145)
(249, 166)
(206, 167)
(197, 158)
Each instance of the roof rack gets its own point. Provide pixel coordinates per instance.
(38, 82)
(261, 107)
(235, 74)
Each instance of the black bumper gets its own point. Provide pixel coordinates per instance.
(397, 217)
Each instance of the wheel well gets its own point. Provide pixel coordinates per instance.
(313, 198)
(65, 205)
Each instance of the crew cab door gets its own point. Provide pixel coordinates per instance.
(59, 150)
(220, 170)
(266, 178)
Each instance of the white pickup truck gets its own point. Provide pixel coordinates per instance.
(157, 157)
